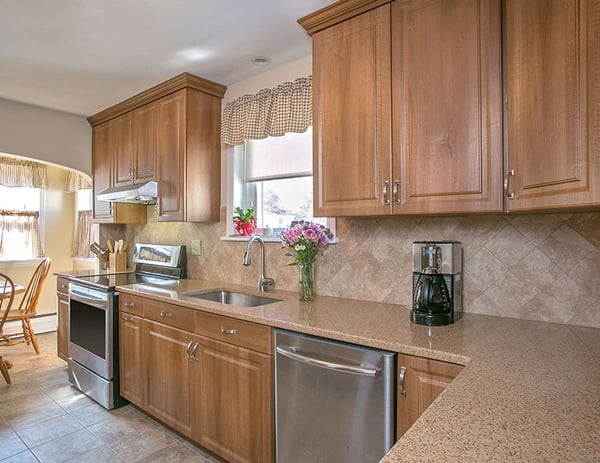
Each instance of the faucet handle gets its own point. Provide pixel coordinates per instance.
(265, 283)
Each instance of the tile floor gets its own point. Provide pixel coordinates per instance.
(43, 419)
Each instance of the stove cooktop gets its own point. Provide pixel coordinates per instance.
(107, 282)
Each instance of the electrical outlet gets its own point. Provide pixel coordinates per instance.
(196, 247)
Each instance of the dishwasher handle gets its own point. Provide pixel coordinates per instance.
(354, 369)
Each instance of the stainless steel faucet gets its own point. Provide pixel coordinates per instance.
(263, 282)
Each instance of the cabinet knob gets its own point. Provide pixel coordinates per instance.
(165, 314)
(228, 330)
(64, 286)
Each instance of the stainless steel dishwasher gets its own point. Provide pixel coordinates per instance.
(334, 402)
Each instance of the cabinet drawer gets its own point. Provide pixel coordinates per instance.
(169, 314)
(131, 304)
(62, 285)
(238, 332)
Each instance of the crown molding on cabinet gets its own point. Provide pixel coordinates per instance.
(183, 80)
(336, 13)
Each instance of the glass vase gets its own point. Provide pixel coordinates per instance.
(306, 286)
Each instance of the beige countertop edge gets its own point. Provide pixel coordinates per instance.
(529, 392)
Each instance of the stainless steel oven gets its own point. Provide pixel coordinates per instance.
(93, 332)
(93, 344)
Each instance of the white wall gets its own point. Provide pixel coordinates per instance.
(47, 135)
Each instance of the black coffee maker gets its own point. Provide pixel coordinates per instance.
(437, 282)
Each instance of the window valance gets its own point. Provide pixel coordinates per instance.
(26, 174)
(75, 181)
(269, 113)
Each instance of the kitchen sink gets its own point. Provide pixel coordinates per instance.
(234, 298)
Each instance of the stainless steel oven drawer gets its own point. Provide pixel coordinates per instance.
(92, 385)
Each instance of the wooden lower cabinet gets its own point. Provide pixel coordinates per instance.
(131, 374)
(424, 380)
(169, 375)
(218, 393)
(235, 414)
(62, 330)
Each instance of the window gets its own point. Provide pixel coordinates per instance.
(83, 232)
(273, 176)
(19, 223)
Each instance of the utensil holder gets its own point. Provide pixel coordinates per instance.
(117, 262)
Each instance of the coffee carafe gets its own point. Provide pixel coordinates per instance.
(437, 282)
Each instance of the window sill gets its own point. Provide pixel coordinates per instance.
(266, 239)
(12, 263)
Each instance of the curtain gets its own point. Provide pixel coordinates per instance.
(76, 181)
(269, 113)
(20, 235)
(27, 174)
(83, 234)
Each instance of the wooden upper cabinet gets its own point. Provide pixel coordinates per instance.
(103, 137)
(351, 115)
(407, 100)
(189, 157)
(171, 157)
(553, 98)
(145, 138)
(169, 133)
(447, 106)
(135, 159)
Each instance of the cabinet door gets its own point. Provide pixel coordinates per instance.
(235, 395)
(553, 98)
(123, 149)
(447, 106)
(62, 336)
(351, 116)
(171, 157)
(423, 380)
(145, 141)
(131, 360)
(103, 139)
(168, 381)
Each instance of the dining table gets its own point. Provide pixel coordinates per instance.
(18, 289)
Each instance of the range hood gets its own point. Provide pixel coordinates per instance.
(137, 193)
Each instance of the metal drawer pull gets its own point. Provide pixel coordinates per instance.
(228, 331)
(194, 358)
(187, 350)
(128, 304)
(395, 191)
(354, 369)
(511, 194)
(401, 377)
(386, 186)
(127, 318)
(165, 314)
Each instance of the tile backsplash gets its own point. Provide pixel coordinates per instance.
(540, 267)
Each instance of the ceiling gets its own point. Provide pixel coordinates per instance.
(82, 56)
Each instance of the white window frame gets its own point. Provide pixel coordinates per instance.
(235, 168)
(26, 262)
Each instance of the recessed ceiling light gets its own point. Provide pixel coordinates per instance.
(260, 60)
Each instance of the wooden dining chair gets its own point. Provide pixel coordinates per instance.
(27, 309)
(7, 295)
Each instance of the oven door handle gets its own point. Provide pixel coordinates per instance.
(84, 298)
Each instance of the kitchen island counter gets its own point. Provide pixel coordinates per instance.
(530, 390)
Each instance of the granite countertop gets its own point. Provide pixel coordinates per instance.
(530, 390)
